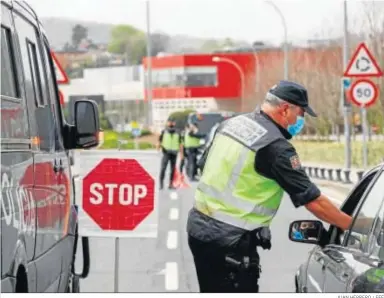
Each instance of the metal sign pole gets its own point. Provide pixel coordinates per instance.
(365, 134)
(116, 277)
(346, 110)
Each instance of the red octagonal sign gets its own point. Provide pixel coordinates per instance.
(118, 194)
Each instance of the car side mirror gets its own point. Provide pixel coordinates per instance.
(87, 125)
(306, 231)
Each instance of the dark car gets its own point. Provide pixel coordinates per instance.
(205, 121)
(39, 220)
(349, 261)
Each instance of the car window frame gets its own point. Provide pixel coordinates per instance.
(356, 212)
(335, 232)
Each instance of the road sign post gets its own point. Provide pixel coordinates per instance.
(117, 195)
(364, 93)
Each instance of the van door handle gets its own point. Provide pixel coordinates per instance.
(58, 166)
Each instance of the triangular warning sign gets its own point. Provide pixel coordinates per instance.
(61, 76)
(363, 64)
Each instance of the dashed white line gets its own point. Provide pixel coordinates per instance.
(171, 276)
(172, 240)
(174, 214)
(173, 195)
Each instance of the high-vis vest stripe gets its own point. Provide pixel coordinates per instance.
(191, 142)
(170, 141)
(231, 191)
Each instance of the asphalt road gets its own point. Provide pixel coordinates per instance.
(165, 264)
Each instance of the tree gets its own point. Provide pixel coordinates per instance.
(128, 40)
(210, 45)
(79, 33)
(181, 117)
(228, 42)
(159, 43)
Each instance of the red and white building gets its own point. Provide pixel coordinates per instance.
(204, 82)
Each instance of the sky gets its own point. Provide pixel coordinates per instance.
(247, 20)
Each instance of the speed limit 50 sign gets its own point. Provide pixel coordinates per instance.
(364, 93)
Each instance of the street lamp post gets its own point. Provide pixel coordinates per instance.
(277, 9)
(242, 76)
(149, 66)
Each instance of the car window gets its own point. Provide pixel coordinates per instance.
(366, 216)
(337, 235)
(8, 72)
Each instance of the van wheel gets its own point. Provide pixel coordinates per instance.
(73, 284)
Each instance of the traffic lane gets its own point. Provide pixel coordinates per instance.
(141, 261)
(285, 256)
(283, 260)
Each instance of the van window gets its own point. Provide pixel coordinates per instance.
(36, 86)
(36, 76)
(55, 102)
(8, 72)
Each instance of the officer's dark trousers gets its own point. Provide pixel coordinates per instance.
(183, 162)
(191, 165)
(212, 271)
(167, 158)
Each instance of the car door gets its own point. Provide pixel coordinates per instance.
(341, 261)
(48, 260)
(315, 269)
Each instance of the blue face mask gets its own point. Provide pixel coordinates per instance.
(295, 129)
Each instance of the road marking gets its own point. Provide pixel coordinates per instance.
(172, 240)
(174, 214)
(173, 195)
(171, 276)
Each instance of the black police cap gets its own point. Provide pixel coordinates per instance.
(293, 93)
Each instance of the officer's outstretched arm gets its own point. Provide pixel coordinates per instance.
(323, 209)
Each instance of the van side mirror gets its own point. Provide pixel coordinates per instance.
(87, 125)
(306, 231)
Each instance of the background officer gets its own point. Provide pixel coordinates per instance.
(170, 144)
(183, 158)
(192, 144)
(249, 166)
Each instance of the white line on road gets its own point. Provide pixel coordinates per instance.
(173, 195)
(171, 276)
(174, 214)
(172, 240)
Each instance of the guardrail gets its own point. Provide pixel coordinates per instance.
(333, 174)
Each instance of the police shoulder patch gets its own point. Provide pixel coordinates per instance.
(295, 162)
(245, 130)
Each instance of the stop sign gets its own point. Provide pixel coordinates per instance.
(118, 194)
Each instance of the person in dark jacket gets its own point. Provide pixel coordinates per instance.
(184, 157)
(191, 144)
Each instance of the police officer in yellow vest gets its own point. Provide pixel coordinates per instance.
(170, 144)
(249, 166)
(192, 143)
